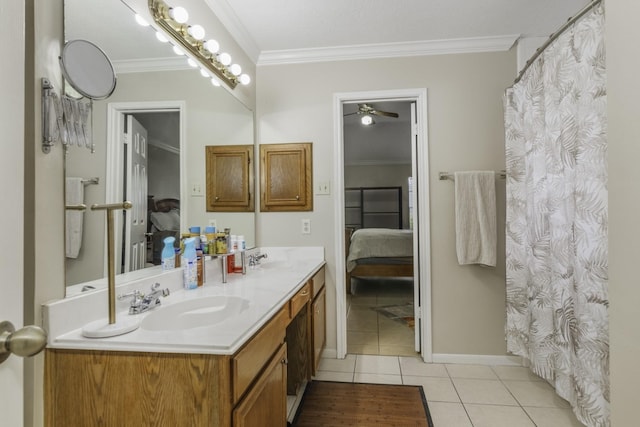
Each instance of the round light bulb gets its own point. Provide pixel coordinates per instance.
(179, 14)
(192, 63)
(178, 51)
(204, 72)
(367, 120)
(235, 69)
(224, 58)
(245, 79)
(141, 21)
(215, 82)
(196, 31)
(212, 46)
(161, 38)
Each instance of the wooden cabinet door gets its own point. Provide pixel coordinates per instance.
(286, 177)
(319, 327)
(229, 176)
(266, 402)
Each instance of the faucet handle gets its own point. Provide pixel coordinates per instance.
(136, 294)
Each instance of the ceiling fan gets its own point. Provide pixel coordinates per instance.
(367, 111)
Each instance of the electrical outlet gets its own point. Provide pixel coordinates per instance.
(306, 226)
(323, 188)
(212, 223)
(196, 190)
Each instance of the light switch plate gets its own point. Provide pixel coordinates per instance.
(306, 226)
(196, 190)
(323, 188)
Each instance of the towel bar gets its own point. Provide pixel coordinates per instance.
(448, 175)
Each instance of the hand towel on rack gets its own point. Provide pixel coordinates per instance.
(74, 219)
(475, 206)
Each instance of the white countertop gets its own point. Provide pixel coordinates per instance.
(266, 288)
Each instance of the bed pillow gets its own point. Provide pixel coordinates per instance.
(166, 220)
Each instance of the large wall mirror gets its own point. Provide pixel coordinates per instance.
(176, 113)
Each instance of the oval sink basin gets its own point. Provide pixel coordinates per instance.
(194, 313)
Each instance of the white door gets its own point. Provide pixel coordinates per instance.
(136, 192)
(11, 214)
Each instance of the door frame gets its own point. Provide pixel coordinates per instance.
(421, 189)
(116, 119)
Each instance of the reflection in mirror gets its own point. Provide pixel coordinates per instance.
(181, 113)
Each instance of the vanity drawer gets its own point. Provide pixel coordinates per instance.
(299, 300)
(317, 281)
(249, 361)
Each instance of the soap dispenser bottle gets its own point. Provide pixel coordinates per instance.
(168, 255)
(189, 264)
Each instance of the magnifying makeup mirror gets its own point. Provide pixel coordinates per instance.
(88, 69)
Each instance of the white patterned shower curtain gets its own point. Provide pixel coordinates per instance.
(556, 226)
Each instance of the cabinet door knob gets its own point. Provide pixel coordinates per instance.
(284, 361)
(217, 198)
(297, 197)
(27, 341)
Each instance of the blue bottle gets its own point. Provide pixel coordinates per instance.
(168, 255)
(190, 264)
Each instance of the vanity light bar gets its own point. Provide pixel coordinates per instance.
(179, 32)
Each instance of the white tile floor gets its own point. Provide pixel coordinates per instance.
(462, 395)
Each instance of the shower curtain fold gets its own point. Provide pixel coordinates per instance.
(556, 225)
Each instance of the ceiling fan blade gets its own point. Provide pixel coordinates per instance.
(351, 114)
(384, 113)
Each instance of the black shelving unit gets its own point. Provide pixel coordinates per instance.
(373, 207)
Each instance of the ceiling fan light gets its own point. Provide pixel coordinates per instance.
(367, 120)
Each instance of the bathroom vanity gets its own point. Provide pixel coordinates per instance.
(230, 371)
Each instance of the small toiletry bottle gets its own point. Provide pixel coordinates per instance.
(178, 256)
(168, 255)
(189, 264)
(210, 232)
(221, 244)
(242, 245)
(200, 266)
(204, 243)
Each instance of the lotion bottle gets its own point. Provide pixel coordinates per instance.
(190, 264)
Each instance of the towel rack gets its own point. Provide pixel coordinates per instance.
(89, 181)
(448, 175)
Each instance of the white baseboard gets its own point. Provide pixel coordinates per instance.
(477, 359)
(329, 353)
(469, 359)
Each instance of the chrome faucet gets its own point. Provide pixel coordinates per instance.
(254, 259)
(141, 302)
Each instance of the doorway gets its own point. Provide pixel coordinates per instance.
(161, 126)
(416, 211)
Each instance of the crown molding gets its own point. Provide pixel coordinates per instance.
(151, 64)
(229, 19)
(388, 50)
(165, 147)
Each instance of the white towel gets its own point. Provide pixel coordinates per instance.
(475, 200)
(74, 219)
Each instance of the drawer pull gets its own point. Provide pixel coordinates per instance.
(304, 293)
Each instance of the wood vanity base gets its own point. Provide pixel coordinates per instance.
(99, 388)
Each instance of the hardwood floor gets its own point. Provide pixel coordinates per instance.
(353, 404)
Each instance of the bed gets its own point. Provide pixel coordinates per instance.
(164, 221)
(378, 252)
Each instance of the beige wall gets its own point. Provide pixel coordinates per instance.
(295, 103)
(623, 91)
